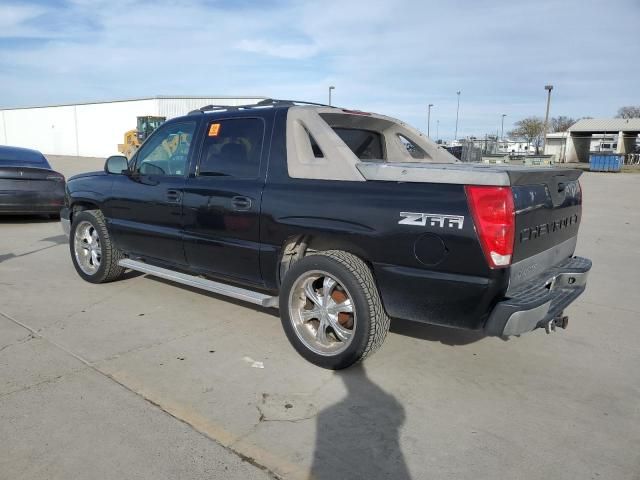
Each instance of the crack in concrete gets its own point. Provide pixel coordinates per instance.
(93, 367)
(84, 308)
(43, 382)
(142, 348)
(18, 342)
(264, 419)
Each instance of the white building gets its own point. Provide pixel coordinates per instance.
(614, 135)
(94, 129)
(516, 147)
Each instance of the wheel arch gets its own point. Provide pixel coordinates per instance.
(299, 246)
(80, 204)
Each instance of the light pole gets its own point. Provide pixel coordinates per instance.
(331, 88)
(437, 130)
(457, 114)
(429, 120)
(548, 88)
(502, 127)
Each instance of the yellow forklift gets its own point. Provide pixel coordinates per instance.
(134, 138)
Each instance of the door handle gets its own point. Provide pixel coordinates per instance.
(174, 196)
(241, 203)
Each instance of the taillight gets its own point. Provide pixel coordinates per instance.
(493, 214)
(56, 178)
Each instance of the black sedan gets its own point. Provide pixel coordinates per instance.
(28, 185)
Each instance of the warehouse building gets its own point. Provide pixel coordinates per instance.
(594, 135)
(94, 129)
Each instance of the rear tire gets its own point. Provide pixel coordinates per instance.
(331, 310)
(94, 256)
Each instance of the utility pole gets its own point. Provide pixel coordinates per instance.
(457, 114)
(331, 88)
(429, 120)
(548, 88)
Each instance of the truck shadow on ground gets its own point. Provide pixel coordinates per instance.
(422, 331)
(359, 437)
(22, 219)
(55, 241)
(435, 333)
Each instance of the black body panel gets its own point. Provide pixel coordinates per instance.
(545, 216)
(222, 227)
(222, 213)
(145, 216)
(458, 289)
(25, 190)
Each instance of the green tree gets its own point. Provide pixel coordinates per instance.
(529, 129)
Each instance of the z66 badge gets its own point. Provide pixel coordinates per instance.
(435, 220)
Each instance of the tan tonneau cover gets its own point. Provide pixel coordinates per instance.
(456, 173)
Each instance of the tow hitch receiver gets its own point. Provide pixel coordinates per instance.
(561, 321)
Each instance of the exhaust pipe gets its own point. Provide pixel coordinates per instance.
(561, 321)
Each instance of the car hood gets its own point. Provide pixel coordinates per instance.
(87, 174)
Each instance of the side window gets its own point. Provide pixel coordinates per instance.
(167, 151)
(414, 150)
(232, 148)
(315, 148)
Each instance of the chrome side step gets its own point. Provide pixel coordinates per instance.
(202, 283)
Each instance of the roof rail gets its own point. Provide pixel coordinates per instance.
(268, 102)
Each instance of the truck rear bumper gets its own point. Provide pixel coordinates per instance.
(540, 300)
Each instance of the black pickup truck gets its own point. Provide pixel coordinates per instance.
(342, 219)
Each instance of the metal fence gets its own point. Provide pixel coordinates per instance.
(632, 159)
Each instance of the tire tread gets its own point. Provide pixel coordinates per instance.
(380, 321)
(110, 254)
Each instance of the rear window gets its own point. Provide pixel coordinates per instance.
(365, 144)
(22, 157)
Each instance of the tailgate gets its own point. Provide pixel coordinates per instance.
(548, 204)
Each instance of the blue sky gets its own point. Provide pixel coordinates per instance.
(392, 57)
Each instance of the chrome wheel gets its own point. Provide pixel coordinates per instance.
(322, 313)
(86, 247)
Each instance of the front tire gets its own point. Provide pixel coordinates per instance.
(331, 310)
(94, 256)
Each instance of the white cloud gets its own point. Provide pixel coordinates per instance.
(283, 50)
(14, 18)
(392, 57)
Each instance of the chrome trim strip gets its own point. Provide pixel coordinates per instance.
(452, 173)
(569, 280)
(202, 283)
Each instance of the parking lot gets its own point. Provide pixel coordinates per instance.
(142, 378)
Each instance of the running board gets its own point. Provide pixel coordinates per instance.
(202, 283)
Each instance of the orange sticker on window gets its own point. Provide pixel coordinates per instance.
(214, 129)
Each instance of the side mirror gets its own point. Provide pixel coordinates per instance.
(116, 164)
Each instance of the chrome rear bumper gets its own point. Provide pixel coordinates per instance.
(537, 302)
